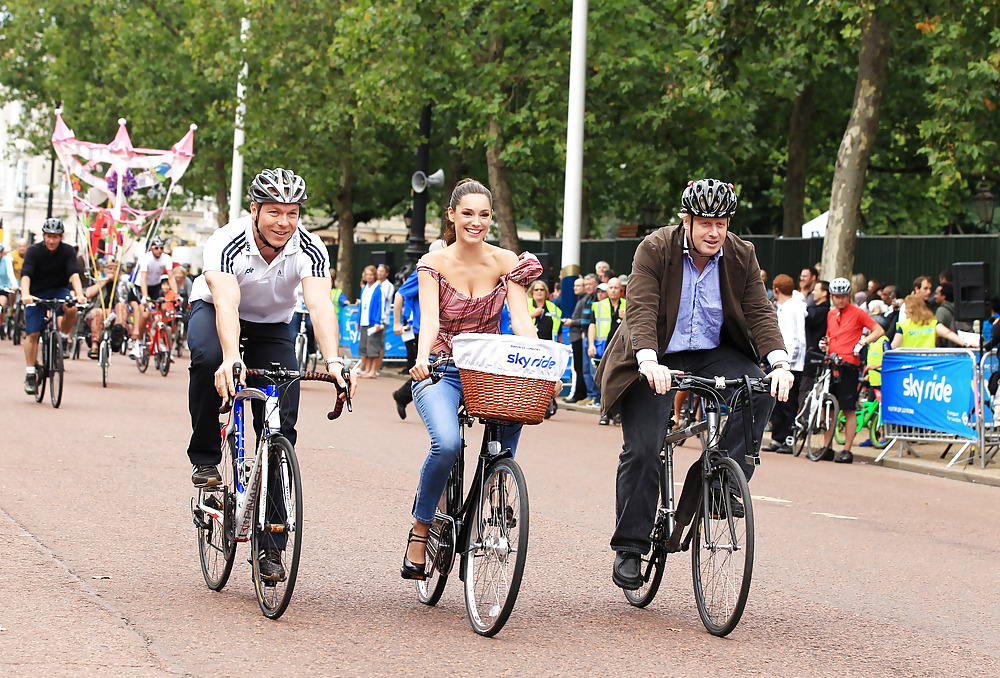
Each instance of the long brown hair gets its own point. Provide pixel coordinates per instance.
(462, 188)
(917, 311)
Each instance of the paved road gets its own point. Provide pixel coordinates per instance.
(860, 570)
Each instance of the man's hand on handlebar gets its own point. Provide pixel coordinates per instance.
(657, 375)
(343, 376)
(781, 383)
(224, 383)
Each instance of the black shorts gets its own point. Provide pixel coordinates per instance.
(845, 389)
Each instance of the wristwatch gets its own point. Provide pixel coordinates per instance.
(783, 364)
(335, 359)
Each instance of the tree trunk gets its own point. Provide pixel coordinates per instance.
(503, 202)
(345, 212)
(221, 192)
(855, 151)
(798, 159)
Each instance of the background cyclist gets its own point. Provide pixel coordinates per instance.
(696, 303)
(252, 267)
(845, 325)
(150, 271)
(48, 271)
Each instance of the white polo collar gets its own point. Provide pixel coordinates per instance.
(290, 248)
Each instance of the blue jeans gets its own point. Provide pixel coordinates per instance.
(437, 405)
(588, 376)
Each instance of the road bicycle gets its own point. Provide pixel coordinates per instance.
(105, 346)
(13, 318)
(868, 415)
(49, 365)
(715, 501)
(304, 359)
(486, 529)
(818, 413)
(260, 497)
(156, 341)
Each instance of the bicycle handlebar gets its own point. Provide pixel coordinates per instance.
(757, 384)
(282, 374)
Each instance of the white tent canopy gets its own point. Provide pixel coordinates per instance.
(817, 227)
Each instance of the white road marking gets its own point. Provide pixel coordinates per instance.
(774, 499)
(834, 515)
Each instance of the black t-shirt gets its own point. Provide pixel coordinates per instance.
(615, 320)
(49, 270)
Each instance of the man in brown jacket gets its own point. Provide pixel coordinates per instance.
(696, 305)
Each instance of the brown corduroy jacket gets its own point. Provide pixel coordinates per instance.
(749, 322)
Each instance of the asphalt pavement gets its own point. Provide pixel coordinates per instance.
(860, 570)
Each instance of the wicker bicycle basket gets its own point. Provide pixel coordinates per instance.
(520, 400)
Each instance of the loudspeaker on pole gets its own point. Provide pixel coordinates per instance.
(420, 181)
(971, 287)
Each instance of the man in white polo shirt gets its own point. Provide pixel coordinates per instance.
(150, 270)
(251, 269)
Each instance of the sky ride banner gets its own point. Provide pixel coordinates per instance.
(933, 391)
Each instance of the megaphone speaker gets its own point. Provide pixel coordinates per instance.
(420, 181)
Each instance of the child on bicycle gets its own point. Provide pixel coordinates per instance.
(462, 289)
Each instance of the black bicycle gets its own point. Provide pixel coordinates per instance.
(49, 365)
(715, 501)
(488, 529)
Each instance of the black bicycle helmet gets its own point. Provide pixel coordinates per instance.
(53, 225)
(709, 198)
(277, 185)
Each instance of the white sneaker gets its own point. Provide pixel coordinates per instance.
(136, 351)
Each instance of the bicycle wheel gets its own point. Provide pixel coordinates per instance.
(56, 370)
(301, 345)
(651, 566)
(875, 433)
(104, 353)
(216, 545)
(840, 431)
(440, 552)
(163, 351)
(801, 426)
(179, 339)
(18, 325)
(283, 517)
(722, 549)
(496, 548)
(822, 421)
(142, 362)
(41, 376)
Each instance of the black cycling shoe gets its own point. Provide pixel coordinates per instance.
(720, 509)
(773, 447)
(269, 565)
(604, 421)
(205, 475)
(845, 457)
(626, 573)
(412, 570)
(827, 454)
(784, 449)
(400, 405)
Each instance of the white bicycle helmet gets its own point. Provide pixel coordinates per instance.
(277, 185)
(840, 286)
(709, 198)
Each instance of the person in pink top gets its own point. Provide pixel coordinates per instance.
(462, 289)
(845, 325)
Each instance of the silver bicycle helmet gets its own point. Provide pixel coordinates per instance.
(277, 185)
(157, 241)
(840, 286)
(709, 198)
(53, 225)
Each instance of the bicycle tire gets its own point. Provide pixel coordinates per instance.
(18, 325)
(163, 351)
(76, 348)
(274, 596)
(301, 344)
(840, 432)
(104, 355)
(825, 418)
(878, 440)
(142, 362)
(440, 555)
(652, 566)
(56, 370)
(179, 339)
(491, 581)
(216, 543)
(722, 549)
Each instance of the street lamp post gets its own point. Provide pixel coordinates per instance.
(985, 201)
(24, 194)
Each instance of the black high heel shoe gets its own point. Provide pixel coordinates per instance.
(413, 570)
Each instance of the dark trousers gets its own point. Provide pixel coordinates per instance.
(783, 416)
(404, 393)
(264, 344)
(579, 388)
(645, 416)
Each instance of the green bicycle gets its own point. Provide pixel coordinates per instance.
(869, 414)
